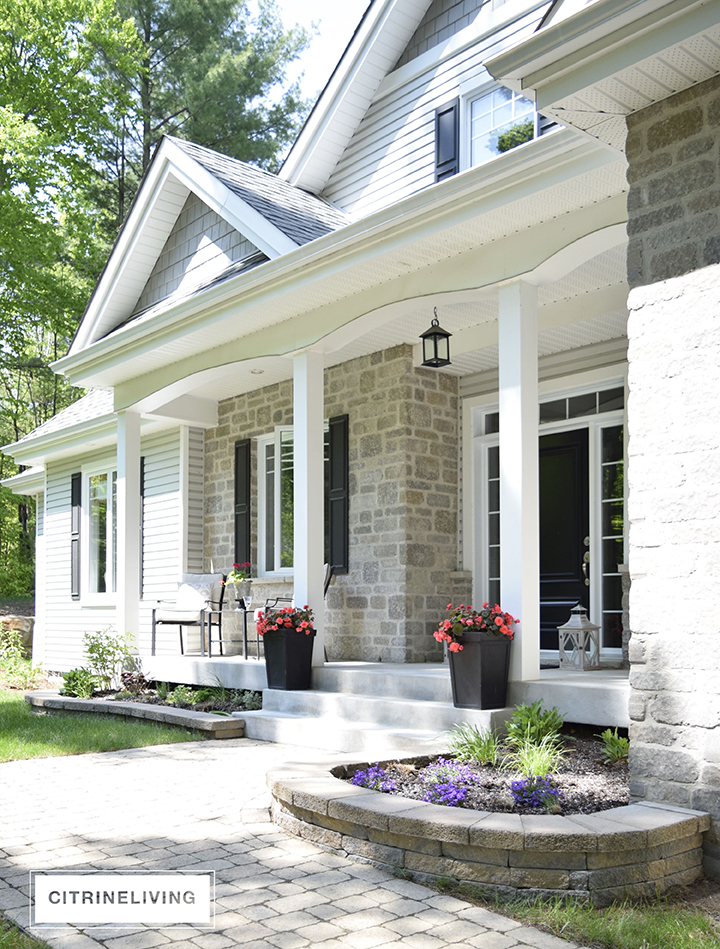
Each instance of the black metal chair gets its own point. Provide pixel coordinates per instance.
(198, 605)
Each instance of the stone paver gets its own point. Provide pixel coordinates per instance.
(205, 806)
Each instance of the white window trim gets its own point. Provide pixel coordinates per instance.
(87, 596)
(468, 93)
(477, 408)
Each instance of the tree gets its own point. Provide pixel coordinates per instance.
(210, 73)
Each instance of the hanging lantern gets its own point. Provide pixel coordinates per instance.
(435, 344)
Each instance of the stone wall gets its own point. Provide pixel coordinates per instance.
(674, 454)
(403, 500)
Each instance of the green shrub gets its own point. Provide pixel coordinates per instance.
(107, 653)
(468, 743)
(184, 694)
(530, 723)
(534, 759)
(517, 135)
(17, 671)
(163, 690)
(615, 747)
(80, 683)
(251, 700)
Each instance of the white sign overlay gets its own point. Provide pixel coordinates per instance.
(87, 899)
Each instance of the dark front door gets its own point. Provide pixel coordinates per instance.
(564, 530)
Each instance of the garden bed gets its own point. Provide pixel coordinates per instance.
(211, 725)
(635, 851)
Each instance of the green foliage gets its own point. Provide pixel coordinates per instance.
(534, 758)
(80, 683)
(17, 671)
(530, 723)
(517, 135)
(615, 747)
(468, 743)
(24, 734)
(163, 690)
(184, 694)
(107, 653)
(251, 700)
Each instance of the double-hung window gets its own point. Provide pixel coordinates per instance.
(275, 494)
(499, 120)
(100, 511)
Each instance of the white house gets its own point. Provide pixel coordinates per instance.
(244, 321)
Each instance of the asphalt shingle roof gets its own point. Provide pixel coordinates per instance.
(96, 403)
(298, 214)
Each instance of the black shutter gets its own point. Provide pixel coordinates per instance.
(338, 514)
(242, 501)
(142, 525)
(447, 140)
(75, 505)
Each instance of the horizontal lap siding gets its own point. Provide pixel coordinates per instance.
(392, 154)
(162, 526)
(67, 620)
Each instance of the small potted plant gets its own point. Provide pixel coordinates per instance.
(239, 578)
(288, 635)
(479, 654)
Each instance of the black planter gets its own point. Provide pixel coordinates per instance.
(479, 673)
(288, 658)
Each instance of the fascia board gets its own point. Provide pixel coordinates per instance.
(71, 440)
(29, 483)
(356, 59)
(588, 34)
(238, 213)
(439, 206)
(171, 161)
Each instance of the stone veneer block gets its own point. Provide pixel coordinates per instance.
(634, 851)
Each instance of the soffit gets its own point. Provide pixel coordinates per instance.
(612, 59)
(383, 263)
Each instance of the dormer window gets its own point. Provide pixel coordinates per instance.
(499, 120)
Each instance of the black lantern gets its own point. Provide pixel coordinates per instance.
(436, 348)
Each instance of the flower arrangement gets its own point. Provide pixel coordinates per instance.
(463, 618)
(239, 573)
(290, 617)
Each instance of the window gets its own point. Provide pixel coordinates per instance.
(499, 120)
(275, 496)
(100, 534)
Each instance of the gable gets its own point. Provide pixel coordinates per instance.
(443, 19)
(199, 248)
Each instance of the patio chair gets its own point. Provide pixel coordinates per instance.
(198, 605)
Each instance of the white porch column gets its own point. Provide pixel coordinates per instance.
(128, 523)
(309, 526)
(519, 493)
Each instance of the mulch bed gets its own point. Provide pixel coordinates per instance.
(587, 784)
(210, 706)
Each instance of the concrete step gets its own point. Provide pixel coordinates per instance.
(368, 740)
(380, 710)
(427, 682)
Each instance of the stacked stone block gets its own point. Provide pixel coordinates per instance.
(674, 454)
(403, 501)
(636, 851)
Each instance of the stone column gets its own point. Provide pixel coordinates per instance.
(519, 505)
(309, 524)
(128, 523)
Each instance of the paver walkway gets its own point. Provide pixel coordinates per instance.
(203, 806)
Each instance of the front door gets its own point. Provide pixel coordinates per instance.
(564, 530)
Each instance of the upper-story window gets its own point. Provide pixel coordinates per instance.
(499, 120)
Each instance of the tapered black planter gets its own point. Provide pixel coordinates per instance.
(479, 673)
(288, 658)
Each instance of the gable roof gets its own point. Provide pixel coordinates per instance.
(273, 215)
(95, 404)
(380, 38)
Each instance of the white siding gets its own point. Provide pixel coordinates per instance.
(39, 627)
(392, 154)
(64, 620)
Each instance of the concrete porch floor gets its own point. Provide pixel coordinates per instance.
(592, 698)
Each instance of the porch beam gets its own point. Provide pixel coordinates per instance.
(128, 523)
(308, 518)
(519, 494)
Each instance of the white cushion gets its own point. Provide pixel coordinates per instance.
(176, 616)
(193, 596)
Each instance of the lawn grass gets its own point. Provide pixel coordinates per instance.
(11, 937)
(655, 924)
(24, 734)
